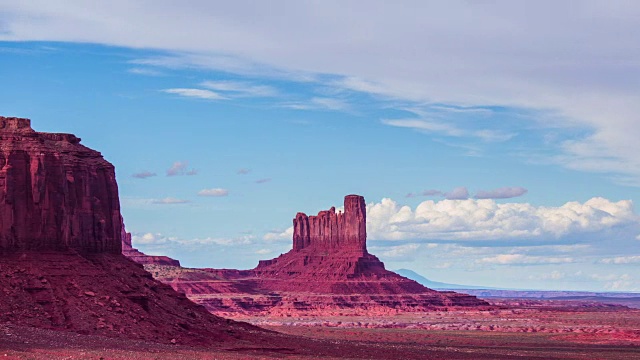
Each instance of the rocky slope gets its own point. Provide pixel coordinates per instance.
(61, 265)
(328, 271)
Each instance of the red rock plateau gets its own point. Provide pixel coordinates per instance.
(141, 258)
(328, 271)
(60, 250)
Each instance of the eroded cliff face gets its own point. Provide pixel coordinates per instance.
(329, 231)
(55, 193)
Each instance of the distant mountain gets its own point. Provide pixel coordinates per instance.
(410, 274)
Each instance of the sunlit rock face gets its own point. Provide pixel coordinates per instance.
(55, 193)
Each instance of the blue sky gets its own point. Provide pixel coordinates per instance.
(495, 142)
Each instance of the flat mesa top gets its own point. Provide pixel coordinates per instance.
(14, 124)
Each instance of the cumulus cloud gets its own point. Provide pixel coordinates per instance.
(169, 201)
(215, 192)
(475, 219)
(143, 175)
(501, 193)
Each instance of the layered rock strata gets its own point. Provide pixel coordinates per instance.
(328, 271)
(55, 193)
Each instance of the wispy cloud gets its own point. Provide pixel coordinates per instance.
(319, 103)
(621, 260)
(215, 192)
(459, 193)
(243, 171)
(195, 93)
(262, 181)
(145, 71)
(169, 201)
(240, 88)
(143, 175)
(501, 193)
(446, 129)
(180, 168)
(519, 259)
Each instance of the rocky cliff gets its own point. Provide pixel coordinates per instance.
(61, 265)
(328, 231)
(55, 193)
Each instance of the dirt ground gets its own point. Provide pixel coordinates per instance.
(527, 332)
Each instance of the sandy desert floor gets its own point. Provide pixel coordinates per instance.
(533, 331)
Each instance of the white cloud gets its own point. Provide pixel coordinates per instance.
(447, 129)
(277, 235)
(240, 88)
(621, 260)
(319, 103)
(264, 251)
(145, 71)
(501, 193)
(169, 201)
(474, 219)
(539, 55)
(243, 171)
(149, 239)
(519, 259)
(195, 93)
(215, 192)
(400, 252)
(159, 240)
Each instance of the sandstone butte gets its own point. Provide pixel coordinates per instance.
(327, 272)
(61, 265)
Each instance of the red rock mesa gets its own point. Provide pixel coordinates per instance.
(61, 265)
(55, 193)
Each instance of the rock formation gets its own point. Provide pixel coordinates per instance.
(55, 193)
(330, 231)
(327, 272)
(61, 265)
